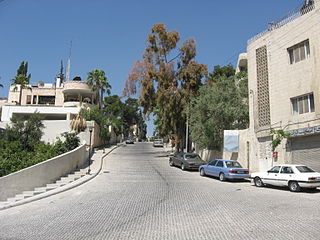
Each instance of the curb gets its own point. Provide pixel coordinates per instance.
(64, 188)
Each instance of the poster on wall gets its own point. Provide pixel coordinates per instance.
(231, 141)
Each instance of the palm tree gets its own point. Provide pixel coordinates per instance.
(99, 83)
(21, 78)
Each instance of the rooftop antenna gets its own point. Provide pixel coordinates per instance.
(69, 64)
(61, 68)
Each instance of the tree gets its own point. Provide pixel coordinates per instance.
(21, 79)
(113, 110)
(166, 79)
(99, 83)
(27, 132)
(277, 137)
(221, 104)
(123, 115)
(94, 114)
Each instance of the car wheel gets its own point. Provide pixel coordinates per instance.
(294, 186)
(183, 167)
(202, 172)
(258, 182)
(171, 163)
(222, 177)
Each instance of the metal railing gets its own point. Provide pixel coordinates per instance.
(298, 12)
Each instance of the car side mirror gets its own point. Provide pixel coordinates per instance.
(269, 171)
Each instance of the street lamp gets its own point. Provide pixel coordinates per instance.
(90, 127)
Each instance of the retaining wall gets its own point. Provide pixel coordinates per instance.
(42, 173)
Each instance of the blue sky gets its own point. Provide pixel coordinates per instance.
(110, 35)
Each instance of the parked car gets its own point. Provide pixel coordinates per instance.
(129, 141)
(293, 176)
(224, 169)
(190, 161)
(158, 143)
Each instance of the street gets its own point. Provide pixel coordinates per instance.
(138, 195)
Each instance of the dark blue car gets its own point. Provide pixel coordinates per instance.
(224, 169)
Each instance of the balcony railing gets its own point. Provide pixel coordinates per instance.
(303, 9)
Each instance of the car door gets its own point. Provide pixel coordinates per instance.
(272, 176)
(179, 159)
(175, 159)
(218, 168)
(286, 174)
(210, 166)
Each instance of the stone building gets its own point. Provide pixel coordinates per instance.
(284, 78)
(54, 101)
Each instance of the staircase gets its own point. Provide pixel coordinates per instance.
(73, 176)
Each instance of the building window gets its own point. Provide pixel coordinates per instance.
(303, 104)
(48, 100)
(299, 52)
(28, 99)
(34, 99)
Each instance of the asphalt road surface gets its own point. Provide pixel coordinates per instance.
(139, 196)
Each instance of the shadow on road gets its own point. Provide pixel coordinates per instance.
(230, 180)
(303, 190)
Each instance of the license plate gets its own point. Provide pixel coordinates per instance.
(240, 172)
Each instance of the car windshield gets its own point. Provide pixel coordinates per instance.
(233, 165)
(304, 169)
(192, 157)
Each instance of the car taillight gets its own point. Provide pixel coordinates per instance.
(232, 171)
(312, 179)
(246, 172)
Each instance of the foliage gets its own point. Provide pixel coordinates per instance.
(166, 79)
(123, 115)
(19, 150)
(71, 141)
(94, 114)
(99, 83)
(78, 124)
(22, 78)
(221, 105)
(28, 132)
(277, 137)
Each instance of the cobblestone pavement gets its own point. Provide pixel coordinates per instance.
(138, 196)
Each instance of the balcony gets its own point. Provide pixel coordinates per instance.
(77, 88)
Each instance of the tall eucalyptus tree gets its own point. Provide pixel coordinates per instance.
(166, 78)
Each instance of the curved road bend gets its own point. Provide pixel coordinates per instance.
(139, 196)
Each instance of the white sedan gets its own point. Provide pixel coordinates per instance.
(293, 176)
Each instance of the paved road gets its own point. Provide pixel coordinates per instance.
(138, 196)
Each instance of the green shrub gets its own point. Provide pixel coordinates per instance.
(14, 158)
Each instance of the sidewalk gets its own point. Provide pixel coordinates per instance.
(95, 168)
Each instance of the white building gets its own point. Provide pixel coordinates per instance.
(59, 101)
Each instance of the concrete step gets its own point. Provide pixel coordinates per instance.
(16, 198)
(66, 179)
(51, 186)
(78, 173)
(27, 194)
(63, 182)
(39, 190)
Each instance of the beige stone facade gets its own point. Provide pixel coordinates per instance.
(284, 78)
(59, 101)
